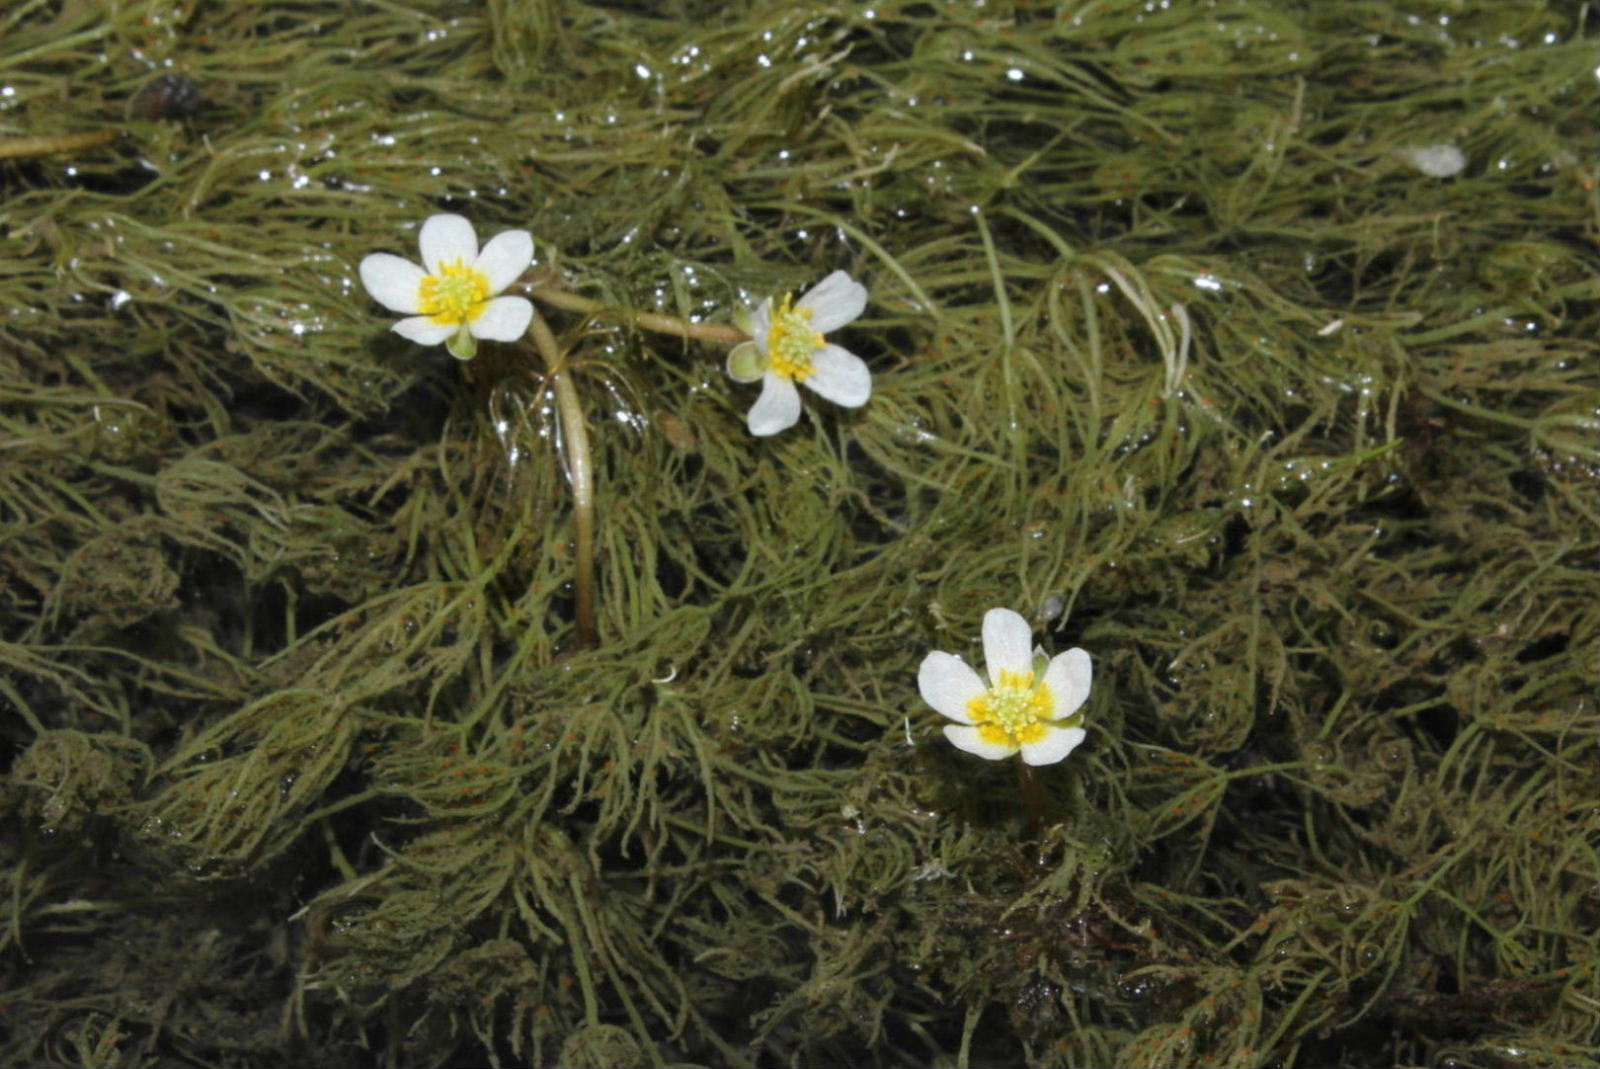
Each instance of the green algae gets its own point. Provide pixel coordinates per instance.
(1173, 352)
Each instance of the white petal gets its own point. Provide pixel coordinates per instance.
(948, 683)
(835, 301)
(445, 238)
(1007, 644)
(778, 407)
(502, 319)
(1056, 744)
(761, 325)
(393, 282)
(503, 260)
(841, 376)
(423, 330)
(967, 738)
(1068, 676)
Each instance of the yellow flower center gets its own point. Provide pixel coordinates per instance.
(455, 295)
(791, 342)
(1014, 711)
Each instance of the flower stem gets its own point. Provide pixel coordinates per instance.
(661, 324)
(580, 475)
(1032, 797)
(12, 147)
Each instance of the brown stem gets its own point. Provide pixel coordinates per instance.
(580, 475)
(44, 146)
(1032, 797)
(661, 324)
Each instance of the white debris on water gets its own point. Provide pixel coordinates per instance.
(1435, 161)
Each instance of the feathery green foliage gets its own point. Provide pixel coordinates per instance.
(1175, 351)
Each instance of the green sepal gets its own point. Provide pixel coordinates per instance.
(746, 362)
(462, 345)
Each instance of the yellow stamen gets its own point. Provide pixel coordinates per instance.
(1014, 712)
(791, 342)
(456, 295)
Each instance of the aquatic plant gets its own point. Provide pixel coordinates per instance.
(1030, 705)
(787, 346)
(452, 297)
(318, 747)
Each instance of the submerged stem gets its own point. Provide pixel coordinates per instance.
(661, 324)
(580, 475)
(13, 147)
(1032, 798)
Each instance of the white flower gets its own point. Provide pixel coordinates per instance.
(787, 346)
(1022, 708)
(451, 298)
